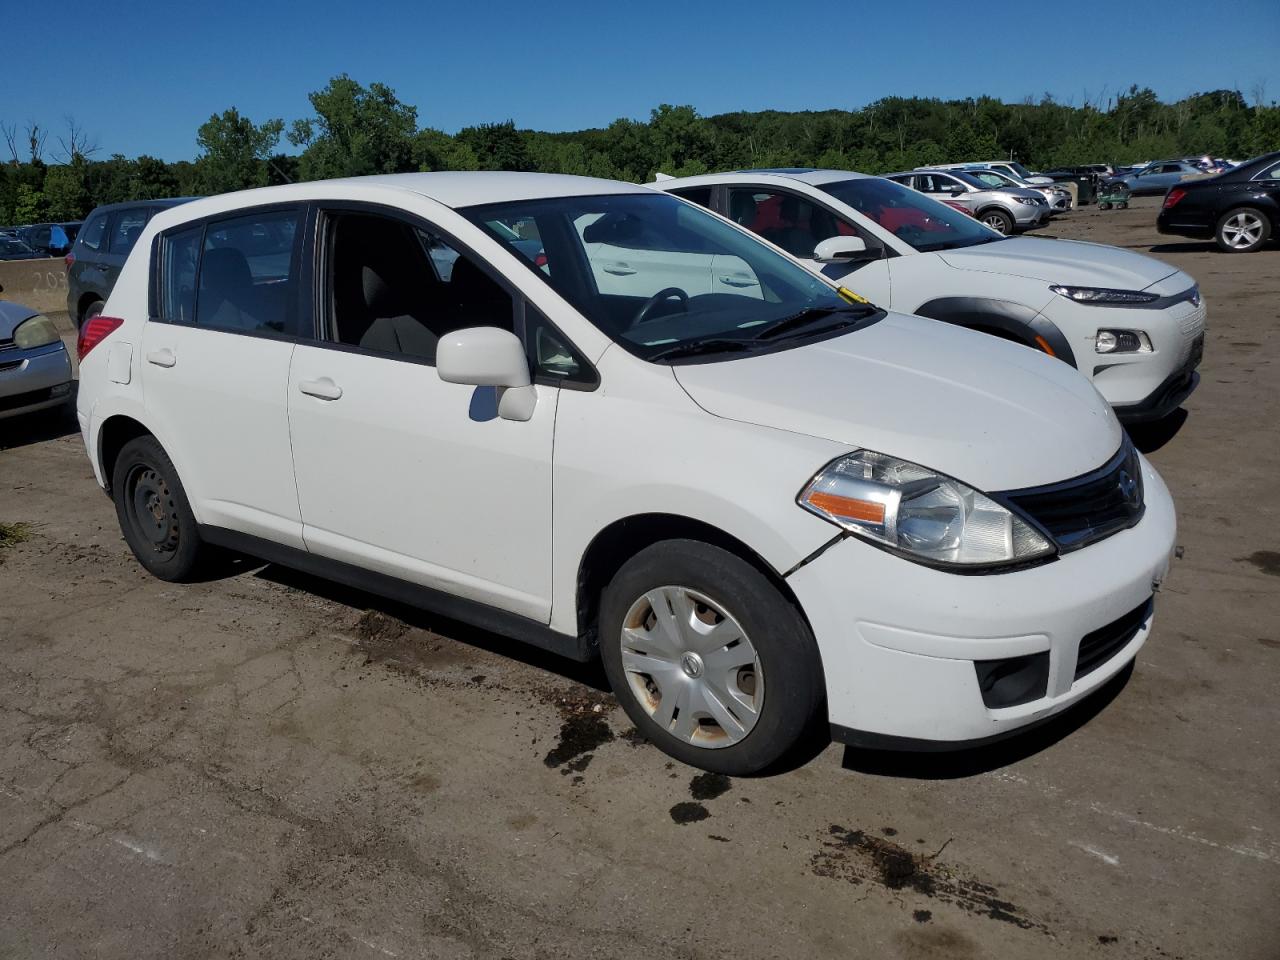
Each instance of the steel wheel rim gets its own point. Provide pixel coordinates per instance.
(691, 667)
(1242, 230)
(995, 222)
(151, 509)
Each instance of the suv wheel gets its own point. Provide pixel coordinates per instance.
(998, 220)
(154, 514)
(1242, 230)
(711, 662)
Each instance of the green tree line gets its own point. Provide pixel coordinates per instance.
(356, 130)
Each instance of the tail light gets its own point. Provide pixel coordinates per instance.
(69, 259)
(93, 332)
(540, 260)
(1173, 196)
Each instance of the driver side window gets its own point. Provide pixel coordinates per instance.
(795, 224)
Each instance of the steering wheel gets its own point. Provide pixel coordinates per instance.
(668, 293)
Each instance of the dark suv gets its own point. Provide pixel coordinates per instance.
(101, 247)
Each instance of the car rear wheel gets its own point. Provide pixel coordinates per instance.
(998, 220)
(708, 658)
(1242, 230)
(155, 516)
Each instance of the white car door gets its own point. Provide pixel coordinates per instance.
(215, 363)
(399, 472)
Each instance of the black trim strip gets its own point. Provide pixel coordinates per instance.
(402, 591)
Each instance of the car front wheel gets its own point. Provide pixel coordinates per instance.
(1242, 230)
(999, 221)
(709, 659)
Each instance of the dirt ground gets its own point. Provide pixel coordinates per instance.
(265, 765)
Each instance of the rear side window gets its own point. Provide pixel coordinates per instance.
(699, 195)
(239, 274)
(126, 227)
(94, 232)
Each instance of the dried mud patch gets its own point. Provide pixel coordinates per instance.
(861, 858)
(396, 645)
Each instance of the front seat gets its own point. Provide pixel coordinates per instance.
(393, 328)
(742, 209)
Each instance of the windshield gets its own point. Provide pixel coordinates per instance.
(657, 274)
(920, 221)
(991, 178)
(1020, 170)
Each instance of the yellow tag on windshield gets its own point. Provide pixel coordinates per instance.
(852, 297)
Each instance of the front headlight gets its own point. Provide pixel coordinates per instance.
(1030, 201)
(1102, 295)
(919, 513)
(38, 331)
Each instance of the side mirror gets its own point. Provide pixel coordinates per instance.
(489, 357)
(843, 250)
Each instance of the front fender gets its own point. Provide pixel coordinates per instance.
(1015, 319)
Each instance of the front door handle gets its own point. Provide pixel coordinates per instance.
(738, 281)
(322, 389)
(619, 269)
(162, 358)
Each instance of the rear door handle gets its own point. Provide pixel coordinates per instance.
(322, 389)
(162, 358)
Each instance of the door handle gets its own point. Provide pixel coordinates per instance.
(162, 358)
(322, 389)
(619, 269)
(739, 281)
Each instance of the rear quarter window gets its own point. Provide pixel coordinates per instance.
(93, 232)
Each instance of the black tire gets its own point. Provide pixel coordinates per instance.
(155, 516)
(1104, 206)
(1122, 205)
(792, 686)
(91, 311)
(997, 220)
(1232, 219)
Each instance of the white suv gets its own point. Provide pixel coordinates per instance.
(1130, 323)
(761, 502)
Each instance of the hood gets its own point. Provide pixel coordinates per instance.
(1071, 262)
(12, 314)
(1018, 192)
(990, 413)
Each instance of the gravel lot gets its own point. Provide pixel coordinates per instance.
(268, 765)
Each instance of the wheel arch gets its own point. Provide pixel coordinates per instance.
(622, 539)
(117, 430)
(1005, 318)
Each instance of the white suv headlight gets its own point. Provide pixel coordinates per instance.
(37, 331)
(920, 513)
(1103, 295)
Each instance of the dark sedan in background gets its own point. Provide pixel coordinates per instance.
(106, 238)
(1240, 209)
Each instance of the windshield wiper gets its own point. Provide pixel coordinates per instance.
(810, 314)
(694, 348)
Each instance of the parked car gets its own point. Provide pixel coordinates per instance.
(100, 249)
(1158, 177)
(744, 528)
(1085, 177)
(47, 239)
(1004, 210)
(1239, 209)
(15, 248)
(35, 371)
(1130, 323)
(1011, 167)
(1058, 198)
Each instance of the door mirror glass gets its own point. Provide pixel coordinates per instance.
(842, 250)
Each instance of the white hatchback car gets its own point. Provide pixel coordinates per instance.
(1130, 323)
(766, 506)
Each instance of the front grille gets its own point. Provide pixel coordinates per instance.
(1076, 513)
(1101, 645)
(16, 400)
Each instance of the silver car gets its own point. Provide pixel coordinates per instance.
(1059, 197)
(1011, 167)
(35, 371)
(1007, 210)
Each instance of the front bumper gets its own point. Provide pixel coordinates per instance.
(899, 641)
(35, 379)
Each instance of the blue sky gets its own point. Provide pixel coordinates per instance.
(155, 71)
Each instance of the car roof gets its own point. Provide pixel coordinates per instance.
(809, 175)
(158, 203)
